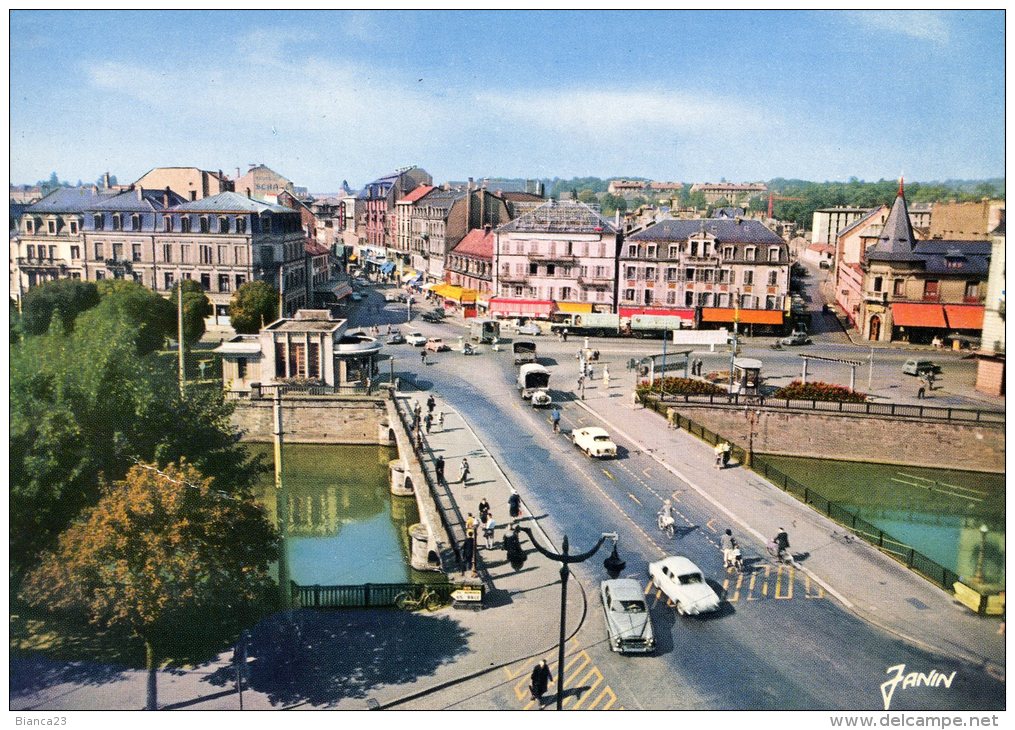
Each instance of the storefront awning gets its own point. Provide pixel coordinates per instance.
(388, 267)
(744, 316)
(408, 274)
(574, 307)
(905, 314)
(455, 293)
(628, 312)
(964, 316)
(340, 289)
(521, 307)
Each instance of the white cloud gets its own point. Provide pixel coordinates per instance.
(923, 24)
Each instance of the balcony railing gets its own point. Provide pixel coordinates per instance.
(931, 297)
(41, 263)
(552, 257)
(594, 282)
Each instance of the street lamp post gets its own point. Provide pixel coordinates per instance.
(752, 419)
(613, 565)
(983, 548)
(736, 326)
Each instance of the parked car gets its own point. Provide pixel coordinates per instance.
(920, 367)
(825, 264)
(357, 297)
(796, 338)
(628, 623)
(531, 329)
(594, 441)
(433, 317)
(436, 344)
(360, 281)
(396, 338)
(394, 296)
(416, 339)
(684, 584)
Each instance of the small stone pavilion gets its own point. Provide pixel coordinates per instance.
(310, 349)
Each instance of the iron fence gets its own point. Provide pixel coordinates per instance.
(904, 553)
(367, 595)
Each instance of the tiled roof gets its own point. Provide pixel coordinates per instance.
(724, 230)
(230, 202)
(438, 198)
(416, 194)
(949, 258)
(560, 216)
(517, 196)
(129, 202)
(862, 220)
(896, 240)
(315, 249)
(478, 243)
(70, 200)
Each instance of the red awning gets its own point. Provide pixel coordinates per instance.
(744, 316)
(521, 307)
(964, 316)
(628, 312)
(905, 314)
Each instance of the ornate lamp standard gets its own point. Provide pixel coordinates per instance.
(983, 548)
(613, 565)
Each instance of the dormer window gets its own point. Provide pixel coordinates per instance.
(167, 223)
(185, 224)
(204, 224)
(673, 251)
(632, 251)
(241, 225)
(650, 251)
(135, 222)
(29, 226)
(773, 254)
(223, 224)
(749, 253)
(97, 222)
(74, 225)
(727, 252)
(117, 222)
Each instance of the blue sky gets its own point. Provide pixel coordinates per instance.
(688, 96)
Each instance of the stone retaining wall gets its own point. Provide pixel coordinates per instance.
(936, 444)
(315, 419)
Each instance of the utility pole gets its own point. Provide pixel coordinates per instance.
(281, 502)
(179, 334)
(662, 389)
(736, 324)
(870, 372)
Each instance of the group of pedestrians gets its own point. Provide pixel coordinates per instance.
(697, 364)
(722, 454)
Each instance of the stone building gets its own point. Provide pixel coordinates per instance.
(379, 198)
(990, 369)
(560, 253)
(916, 291)
(734, 193)
(262, 182)
(966, 221)
(189, 182)
(713, 264)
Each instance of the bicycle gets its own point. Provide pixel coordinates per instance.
(422, 599)
(667, 525)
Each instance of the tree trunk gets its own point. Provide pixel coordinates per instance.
(152, 702)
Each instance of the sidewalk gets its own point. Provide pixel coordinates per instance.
(345, 659)
(868, 583)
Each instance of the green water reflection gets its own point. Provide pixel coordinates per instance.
(937, 511)
(344, 526)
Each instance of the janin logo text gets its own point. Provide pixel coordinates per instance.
(933, 678)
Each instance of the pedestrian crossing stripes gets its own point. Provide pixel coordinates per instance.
(585, 687)
(769, 582)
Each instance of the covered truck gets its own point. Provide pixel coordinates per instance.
(524, 351)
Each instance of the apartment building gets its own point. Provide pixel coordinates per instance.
(733, 193)
(190, 182)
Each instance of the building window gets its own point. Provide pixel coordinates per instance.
(720, 300)
(704, 299)
(29, 225)
(241, 225)
(167, 253)
(223, 224)
(205, 254)
(97, 222)
(632, 251)
(168, 280)
(689, 274)
(185, 253)
(223, 282)
(30, 250)
(279, 359)
(673, 252)
(551, 270)
(629, 295)
(135, 222)
(727, 252)
(204, 224)
(671, 297)
(185, 224)
(650, 251)
(972, 290)
(518, 291)
(223, 254)
(773, 278)
(117, 222)
(75, 252)
(650, 273)
(241, 368)
(100, 253)
(689, 299)
(749, 253)
(313, 360)
(565, 293)
(167, 223)
(533, 269)
(878, 283)
(206, 282)
(631, 272)
(706, 248)
(241, 279)
(773, 254)
(648, 297)
(117, 252)
(899, 288)
(748, 277)
(769, 302)
(100, 275)
(266, 225)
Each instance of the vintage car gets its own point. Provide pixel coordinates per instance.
(436, 344)
(394, 296)
(594, 441)
(357, 297)
(541, 399)
(628, 623)
(530, 328)
(796, 338)
(434, 316)
(396, 338)
(920, 367)
(684, 585)
(416, 339)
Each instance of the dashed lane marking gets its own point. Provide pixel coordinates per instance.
(634, 498)
(607, 473)
(711, 525)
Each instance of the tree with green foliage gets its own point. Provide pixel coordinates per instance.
(612, 203)
(585, 195)
(69, 296)
(196, 308)
(252, 306)
(88, 402)
(153, 316)
(158, 550)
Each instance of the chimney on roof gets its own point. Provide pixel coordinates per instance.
(140, 192)
(470, 184)
(165, 197)
(487, 228)
(248, 192)
(105, 180)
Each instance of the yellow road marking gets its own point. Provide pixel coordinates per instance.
(789, 583)
(611, 476)
(593, 673)
(633, 497)
(607, 692)
(711, 525)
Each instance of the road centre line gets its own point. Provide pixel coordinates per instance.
(709, 498)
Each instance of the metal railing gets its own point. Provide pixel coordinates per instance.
(368, 595)
(904, 553)
(897, 410)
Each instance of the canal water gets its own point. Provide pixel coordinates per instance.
(345, 527)
(939, 512)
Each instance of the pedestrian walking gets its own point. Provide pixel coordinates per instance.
(370, 385)
(440, 420)
(428, 421)
(464, 479)
(726, 451)
(470, 523)
(469, 552)
(431, 403)
(417, 409)
(419, 438)
(718, 456)
(439, 469)
(589, 374)
(488, 528)
(921, 392)
(581, 381)
(422, 356)
(555, 419)
(514, 504)
(484, 509)
(539, 681)
(564, 334)
(606, 377)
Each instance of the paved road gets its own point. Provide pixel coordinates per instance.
(779, 641)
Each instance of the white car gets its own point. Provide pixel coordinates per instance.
(628, 623)
(594, 441)
(356, 296)
(684, 584)
(416, 339)
(531, 329)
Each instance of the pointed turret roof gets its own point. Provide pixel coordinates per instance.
(896, 240)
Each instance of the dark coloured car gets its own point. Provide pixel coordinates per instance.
(433, 317)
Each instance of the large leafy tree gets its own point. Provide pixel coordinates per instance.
(158, 549)
(152, 317)
(69, 296)
(252, 305)
(196, 307)
(86, 403)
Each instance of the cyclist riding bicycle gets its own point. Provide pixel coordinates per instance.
(666, 515)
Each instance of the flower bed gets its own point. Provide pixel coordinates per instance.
(681, 386)
(819, 391)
